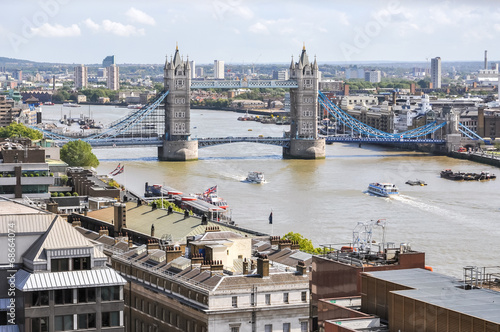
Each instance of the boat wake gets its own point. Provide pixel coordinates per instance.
(423, 206)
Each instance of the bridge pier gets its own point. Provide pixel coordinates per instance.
(305, 149)
(178, 151)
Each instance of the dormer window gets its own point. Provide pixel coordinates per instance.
(59, 264)
(81, 263)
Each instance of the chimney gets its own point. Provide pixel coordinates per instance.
(186, 214)
(295, 245)
(103, 231)
(120, 216)
(53, 207)
(346, 89)
(301, 268)
(253, 265)
(152, 244)
(130, 243)
(172, 253)
(204, 220)
(169, 210)
(284, 244)
(275, 240)
(205, 266)
(76, 222)
(245, 267)
(196, 260)
(212, 229)
(217, 268)
(152, 230)
(263, 266)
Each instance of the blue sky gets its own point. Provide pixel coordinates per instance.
(241, 31)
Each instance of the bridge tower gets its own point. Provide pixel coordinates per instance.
(177, 145)
(304, 141)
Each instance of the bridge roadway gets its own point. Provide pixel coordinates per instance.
(278, 141)
(221, 84)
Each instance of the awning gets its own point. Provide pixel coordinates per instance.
(29, 282)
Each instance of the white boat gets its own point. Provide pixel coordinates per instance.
(70, 105)
(255, 177)
(383, 189)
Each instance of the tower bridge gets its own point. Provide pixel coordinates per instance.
(169, 128)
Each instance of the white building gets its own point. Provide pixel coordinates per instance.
(113, 79)
(436, 73)
(373, 76)
(81, 77)
(219, 69)
(192, 64)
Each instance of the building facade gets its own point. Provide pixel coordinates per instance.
(108, 61)
(58, 280)
(436, 73)
(373, 76)
(81, 77)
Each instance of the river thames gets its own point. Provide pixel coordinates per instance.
(454, 223)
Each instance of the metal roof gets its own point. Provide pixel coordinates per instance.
(27, 282)
(9, 328)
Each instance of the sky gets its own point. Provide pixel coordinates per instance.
(247, 32)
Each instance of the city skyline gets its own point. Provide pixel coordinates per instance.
(238, 31)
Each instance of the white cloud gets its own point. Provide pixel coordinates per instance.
(136, 15)
(258, 27)
(56, 30)
(91, 25)
(119, 29)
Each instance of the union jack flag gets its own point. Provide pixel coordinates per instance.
(116, 169)
(120, 171)
(210, 190)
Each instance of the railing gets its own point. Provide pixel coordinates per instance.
(244, 84)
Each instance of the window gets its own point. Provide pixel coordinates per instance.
(64, 323)
(40, 298)
(63, 296)
(86, 321)
(285, 297)
(59, 265)
(286, 327)
(235, 329)
(40, 324)
(110, 319)
(268, 299)
(303, 326)
(235, 301)
(81, 263)
(86, 295)
(268, 328)
(111, 293)
(303, 296)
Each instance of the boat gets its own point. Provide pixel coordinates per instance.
(210, 196)
(383, 189)
(70, 105)
(255, 177)
(416, 183)
(450, 175)
(48, 103)
(135, 107)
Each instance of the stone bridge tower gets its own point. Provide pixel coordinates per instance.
(177, 145)
(304, 141)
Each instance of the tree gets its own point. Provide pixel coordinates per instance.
(20, 130)
(78, 153)
(304, 243)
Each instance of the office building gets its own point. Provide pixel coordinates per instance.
(373, 76)
(219, 69)
(281, 75)
(58, 278)
(113, 79)
(81, 77)
(436, 73)
(108, 61)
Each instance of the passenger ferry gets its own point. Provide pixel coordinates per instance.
(383, 189)
(255, 177)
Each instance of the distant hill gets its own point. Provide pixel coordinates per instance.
(4, 60)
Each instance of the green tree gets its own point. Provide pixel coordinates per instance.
(304, 243)
(20, 130)
(78, 153)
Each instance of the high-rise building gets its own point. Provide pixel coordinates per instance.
(219, 69)
(281, 75)
(192, 64)
(373, 76)
(113, 80)
(81, 77)
(108, 61)
(436, 72)
(199, 72)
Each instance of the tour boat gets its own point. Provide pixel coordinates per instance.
(210, 196)
(70, 105)
(255, 177)
(383, 189)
